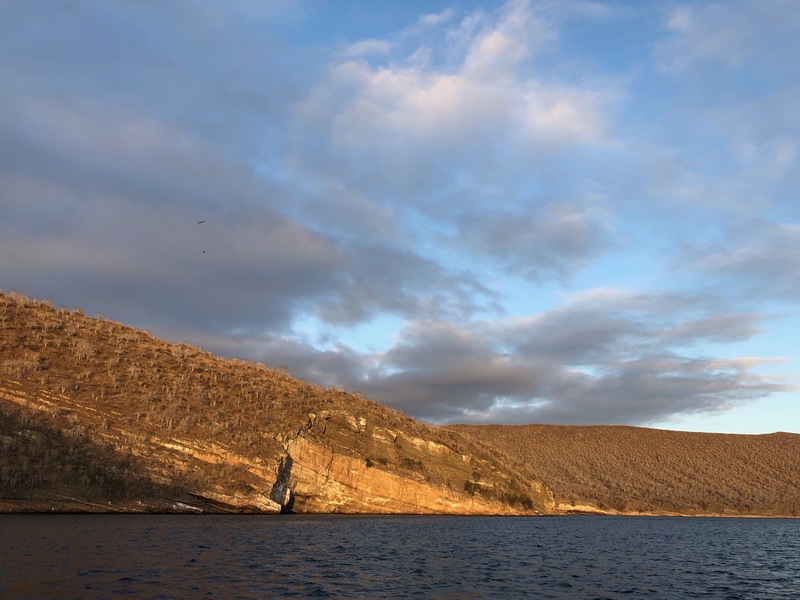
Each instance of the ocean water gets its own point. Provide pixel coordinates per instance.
(228, 557)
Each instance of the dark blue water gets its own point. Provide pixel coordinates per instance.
(162, 556)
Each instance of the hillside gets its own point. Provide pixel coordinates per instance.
(97, 416)
(638, 470)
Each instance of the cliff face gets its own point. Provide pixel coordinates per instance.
(345, 464)
(322, 469)
(323, 481)
(141, 424)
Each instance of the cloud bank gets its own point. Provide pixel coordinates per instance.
(565, 212)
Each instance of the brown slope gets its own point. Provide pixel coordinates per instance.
(232, 434)
(630, 469)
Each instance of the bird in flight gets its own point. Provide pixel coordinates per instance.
(203, 221)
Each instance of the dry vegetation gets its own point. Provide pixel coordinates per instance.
(46, 468)
(112, 393)
(631, 469)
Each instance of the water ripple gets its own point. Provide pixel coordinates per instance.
(232, 557)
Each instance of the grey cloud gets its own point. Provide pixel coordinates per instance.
(609, 358)
(576, 337)
(580, 335)
(99, 154)
(241, 270)
(714, 328)
(97, 84)
(100, 208)
(549, 241)
(440, 372)
(103, 184)
(210, 277)
(649, 390)
(385, 279)
(453, 395)
(436, 346)
(759, 262)
(339, 366)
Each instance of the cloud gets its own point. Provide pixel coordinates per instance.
(405, 103)
(652, 389)
(434, 19)
(548, 241)
(608, 356)
(367, 47)
(100, 209)
(730, 34)
(438, 371)
(437, 177)
(484, 96)
(758, 261)
(610, 326)
(102, 196)
(384, 279)
(709, 34)
(497, 50)
(113, 152)
(220, 275)
(443, 132)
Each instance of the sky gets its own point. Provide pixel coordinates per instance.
(533, 211)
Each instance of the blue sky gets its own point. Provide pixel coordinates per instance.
(509, 212)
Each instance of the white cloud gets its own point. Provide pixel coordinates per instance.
(433, 19)
(488, 97)
(498, 49)
(367, 47)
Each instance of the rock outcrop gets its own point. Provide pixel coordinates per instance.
(342, 464)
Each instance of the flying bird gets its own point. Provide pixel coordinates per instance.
(203, 221)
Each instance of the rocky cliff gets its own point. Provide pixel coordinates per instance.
(97, 416)
(344, 464)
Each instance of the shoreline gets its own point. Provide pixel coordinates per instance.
(78, 507)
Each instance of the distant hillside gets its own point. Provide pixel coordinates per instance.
(95, 415)
(631, 469)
